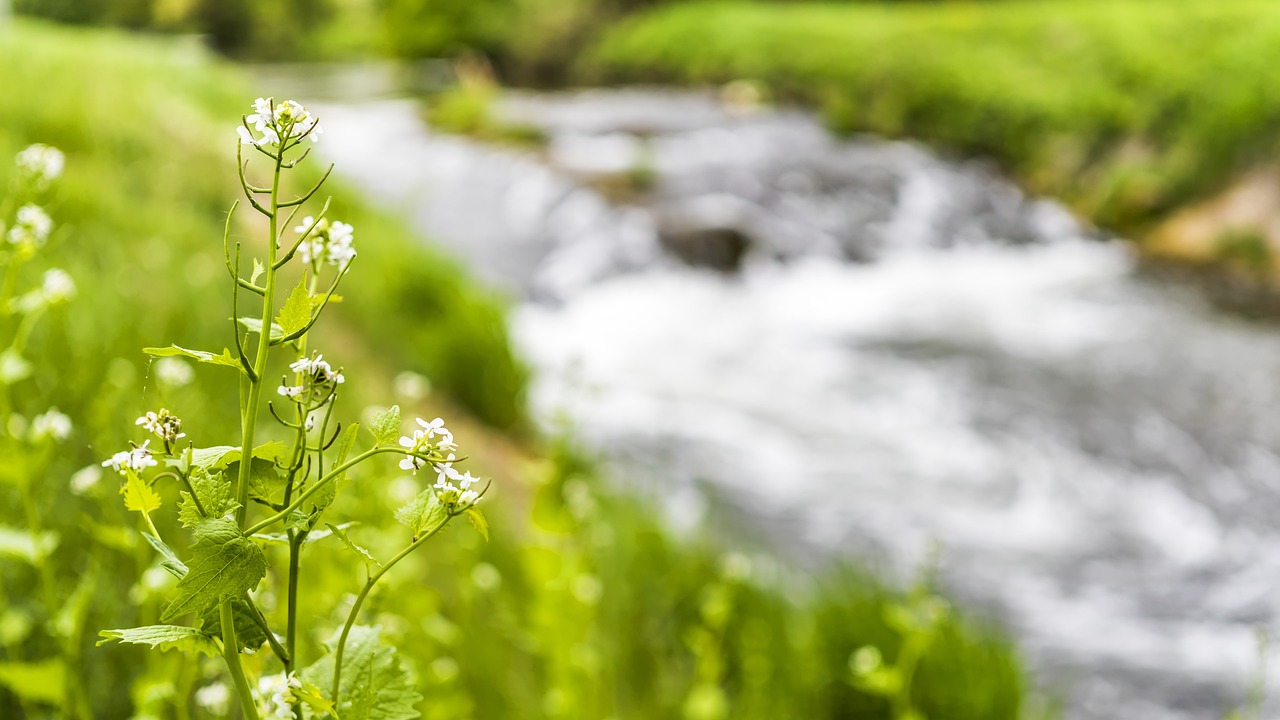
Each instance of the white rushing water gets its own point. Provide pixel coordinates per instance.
(896, 350)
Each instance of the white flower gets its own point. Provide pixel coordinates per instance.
(215, 697)
(326, 242)
(174, 372)
(165, 425)
(290, 391)
(51, 425)
(85, 479)
(58, 286)
(41, 163)
(276, 121)
(137, 459)
(422, 444)
(32, 226)
(319, 380)
(275, 695)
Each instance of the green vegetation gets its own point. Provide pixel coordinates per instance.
(582, 605)
(1127, 109)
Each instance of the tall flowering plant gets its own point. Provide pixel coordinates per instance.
(30, 432)
(288, 484)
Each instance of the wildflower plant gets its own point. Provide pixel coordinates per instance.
(30, 432)
(236, 498)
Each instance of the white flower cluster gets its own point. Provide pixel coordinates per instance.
(277, 124)
(275, 695)
(51, 425)
(327, 241)
(31, 227)
(164, 424)
(137, 459)
(41, 164)
(424, 442)
(318, 379)
(433, 439)
(57, 287)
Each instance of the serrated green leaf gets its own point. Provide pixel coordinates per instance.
(374, 686)
(386, 426)
(296, 312)
(38, 682)
(24, 545)
(258, 269)
(224, 564)
(216, 497)
(313, 697)
(254, 325)
(423, 512)
(176, 567)
(479, 522)
(265, 477)
(203, 356)
(138, 495)
(346, 540)
(248, 633)
(163, 637)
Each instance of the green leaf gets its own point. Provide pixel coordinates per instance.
(224, 564)
(248, 633)
(364, 554)
(296, 312)
(176, 567)
(318, 300)
(264, 475)
(138, 495)
(314, 698)
(24, 545)
(254, 325)
(37, 682)
(386, 426)
(258, 269)
(425, 511)
(374, 685)
(163, 637)
(216, 496)
(203, 356)
(478, 522)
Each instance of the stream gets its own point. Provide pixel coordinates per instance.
(870, 349)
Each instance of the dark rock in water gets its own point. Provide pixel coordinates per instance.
(718, 248)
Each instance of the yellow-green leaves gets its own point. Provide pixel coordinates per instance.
(386, 426)
(479, 522)
(296, 313)
(138, 495)
(226, 358)
(224, 564)
(163, 637)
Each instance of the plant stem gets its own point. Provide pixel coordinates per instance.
(333, 474)
(231, 653)
(364, 593)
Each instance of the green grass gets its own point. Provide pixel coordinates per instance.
(583, 605)
(1127, 109)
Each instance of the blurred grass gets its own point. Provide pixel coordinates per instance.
(582, 606)
(1127, 109)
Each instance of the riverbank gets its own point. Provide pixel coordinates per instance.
(1130, 112)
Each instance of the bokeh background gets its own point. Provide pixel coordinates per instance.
(832, 359)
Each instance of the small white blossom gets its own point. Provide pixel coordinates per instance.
(174, 372)
(319, 380)
(137, 459)
(326, 242)
(275, 695)
(58, 286)
(422, 443)
(31, 227)
(85, 479)
(215, 697)
(275, 122)
(290, 391)
(51, 425)
(164, 424)
(41, 163)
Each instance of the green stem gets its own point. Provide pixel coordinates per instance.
(333, 474)
(231, 654)
(230, 644)
(364, 593)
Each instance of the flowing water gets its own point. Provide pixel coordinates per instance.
(868, 349)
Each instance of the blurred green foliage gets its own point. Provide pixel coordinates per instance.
(1127, 109)
(583, 605)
